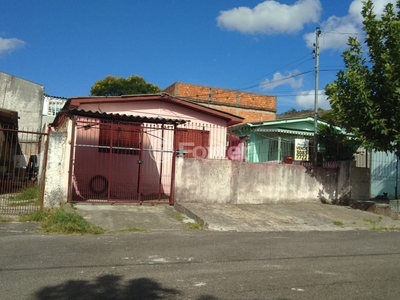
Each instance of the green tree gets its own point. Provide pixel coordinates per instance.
(117, 86)
(335, 145)
(365, 96)
(328, 116)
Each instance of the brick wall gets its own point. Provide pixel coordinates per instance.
(249, 115)
(253, 107)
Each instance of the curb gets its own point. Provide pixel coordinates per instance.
(376, 208)
(184, 210)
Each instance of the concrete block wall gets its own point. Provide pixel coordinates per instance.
(253, 107)
(233, 182)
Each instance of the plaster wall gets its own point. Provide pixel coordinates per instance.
(58, 158)
(234, 182)
(22, 96)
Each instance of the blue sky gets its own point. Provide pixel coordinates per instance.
(256, 46)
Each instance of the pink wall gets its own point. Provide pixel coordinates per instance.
(198, 120)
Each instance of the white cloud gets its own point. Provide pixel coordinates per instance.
(287, 78)
(336, 30)
(306, 99)
(9, 45)
(335, 33)
(356, 7)
(270, 17)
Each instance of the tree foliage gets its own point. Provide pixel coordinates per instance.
(365, 96)
(335, 145)
(117, 86)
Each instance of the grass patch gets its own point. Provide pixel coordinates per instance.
(28, 196)
(194, 226)
(338, 223)
(133, 229)
(383, 228)
(370, 221)
(36, 216)
(62, 222)
(179, 217)
(4, 219)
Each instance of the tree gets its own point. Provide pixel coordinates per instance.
(365, 96)
(335, 145)
(117, 86)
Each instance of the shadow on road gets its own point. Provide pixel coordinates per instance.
(111, 287)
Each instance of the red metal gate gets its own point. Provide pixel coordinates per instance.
(121, 162)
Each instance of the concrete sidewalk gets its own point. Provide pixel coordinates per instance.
(240, 218)
(132, 217)
(285, 217)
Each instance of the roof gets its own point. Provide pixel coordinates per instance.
(287, 131)
(282, 126)
(124, 117)
(72, 107)
(280, 122)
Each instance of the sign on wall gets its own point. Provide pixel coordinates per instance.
(301, 149)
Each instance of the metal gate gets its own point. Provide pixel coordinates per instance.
(23, 160)
(121, 162)
(384, 175)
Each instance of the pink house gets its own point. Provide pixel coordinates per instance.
(123, 149)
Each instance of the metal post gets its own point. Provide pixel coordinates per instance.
(316, 53)
(161, 163)
(140, 163)
(174, 154)
(397, 177)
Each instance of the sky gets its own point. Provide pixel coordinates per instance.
(263, 47)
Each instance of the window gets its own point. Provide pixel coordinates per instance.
(122, 139)
(194, 142)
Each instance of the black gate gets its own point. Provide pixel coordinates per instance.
(23, 160)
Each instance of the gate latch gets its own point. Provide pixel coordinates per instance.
(140, 162)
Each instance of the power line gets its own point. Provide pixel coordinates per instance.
(343, 33)
(272, 82)
(308, 54)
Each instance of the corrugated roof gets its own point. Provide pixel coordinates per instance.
(286, 131)
(123, 117)
(231, 119)
(279, 122)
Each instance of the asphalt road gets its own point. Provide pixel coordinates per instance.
(201, 265)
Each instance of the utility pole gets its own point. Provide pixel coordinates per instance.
(316, 56)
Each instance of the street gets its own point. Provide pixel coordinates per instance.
(201, 265)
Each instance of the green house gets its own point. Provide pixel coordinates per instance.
(284, 140)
